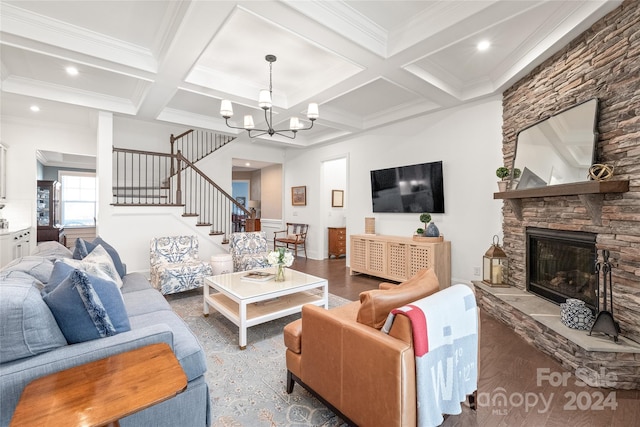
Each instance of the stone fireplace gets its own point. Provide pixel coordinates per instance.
(596, 64)
(561, 265)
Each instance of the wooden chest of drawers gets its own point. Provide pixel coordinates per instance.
(337, 241)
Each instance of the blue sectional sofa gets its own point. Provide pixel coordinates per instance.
(40, 353)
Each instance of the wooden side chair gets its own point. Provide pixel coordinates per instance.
(294, 236)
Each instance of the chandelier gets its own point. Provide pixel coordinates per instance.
(265, 102)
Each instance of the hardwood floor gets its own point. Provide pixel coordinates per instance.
(518, 385)
(337, 274)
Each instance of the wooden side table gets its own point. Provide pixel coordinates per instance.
(100, 393)
(337, 241)
(252, 224)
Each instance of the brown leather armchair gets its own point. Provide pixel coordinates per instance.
(340, 355)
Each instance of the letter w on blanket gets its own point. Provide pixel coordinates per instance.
(445, 340)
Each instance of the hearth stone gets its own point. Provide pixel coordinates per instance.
(596, 360)
(575, 314)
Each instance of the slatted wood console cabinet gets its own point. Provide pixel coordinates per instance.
(399, 258)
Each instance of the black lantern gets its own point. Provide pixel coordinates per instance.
(495, 266)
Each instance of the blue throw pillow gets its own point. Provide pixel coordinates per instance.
(61, 271)
(84, 248)
(27, 327)
(87, 307)
(36, 266)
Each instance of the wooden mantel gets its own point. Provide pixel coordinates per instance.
(591, 193)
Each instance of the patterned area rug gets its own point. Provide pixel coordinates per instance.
(248, 387)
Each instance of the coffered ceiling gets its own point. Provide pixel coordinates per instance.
(366, 63)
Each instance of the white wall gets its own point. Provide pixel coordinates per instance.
(467, 139)
(130, 229)
(142, 135)
(24, 138)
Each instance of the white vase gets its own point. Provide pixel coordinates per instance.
(502, 186)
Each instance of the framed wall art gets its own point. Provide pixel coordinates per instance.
(337, 198)
(299, 196)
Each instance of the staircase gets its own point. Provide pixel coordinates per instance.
(146, 178)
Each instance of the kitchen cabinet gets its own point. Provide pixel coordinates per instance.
(14, 244)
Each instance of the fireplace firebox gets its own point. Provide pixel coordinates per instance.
(561, 265)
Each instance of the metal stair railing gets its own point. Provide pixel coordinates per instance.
(197, 144)
(141, 178)
(145, 178)
(205, 199)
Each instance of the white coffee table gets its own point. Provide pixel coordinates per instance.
(248, 303)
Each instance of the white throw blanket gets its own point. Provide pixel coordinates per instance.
(445, 340)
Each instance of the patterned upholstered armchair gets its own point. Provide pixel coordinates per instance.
(248, 250)
(175, 266)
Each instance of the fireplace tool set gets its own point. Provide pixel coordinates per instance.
(604, 320)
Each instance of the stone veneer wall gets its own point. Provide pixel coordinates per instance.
(621, 369)
(602, 62)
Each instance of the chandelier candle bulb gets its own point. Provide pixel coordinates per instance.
(226, 109)
(264, 101)
(312, 111)
(248, 122)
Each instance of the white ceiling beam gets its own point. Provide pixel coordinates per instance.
(51, 31)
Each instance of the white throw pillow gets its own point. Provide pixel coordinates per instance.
(98, 263)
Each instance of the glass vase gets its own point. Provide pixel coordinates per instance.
(279, 273)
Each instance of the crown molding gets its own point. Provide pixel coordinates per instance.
(64, 94)
(346, 21)
(33, 26)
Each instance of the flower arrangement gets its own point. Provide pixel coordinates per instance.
(280, 258)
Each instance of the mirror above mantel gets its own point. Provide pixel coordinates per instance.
(554, 156)
(559, 149)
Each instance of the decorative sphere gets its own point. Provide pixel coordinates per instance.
(600, 172)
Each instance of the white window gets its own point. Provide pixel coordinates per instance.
(78, 198)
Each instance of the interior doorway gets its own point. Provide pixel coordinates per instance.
(334, 196)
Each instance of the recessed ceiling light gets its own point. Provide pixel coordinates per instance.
(247, 164)
(484, 45)
(72, 71)
(34, 108)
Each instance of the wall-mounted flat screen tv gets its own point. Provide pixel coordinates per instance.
(413, 188)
